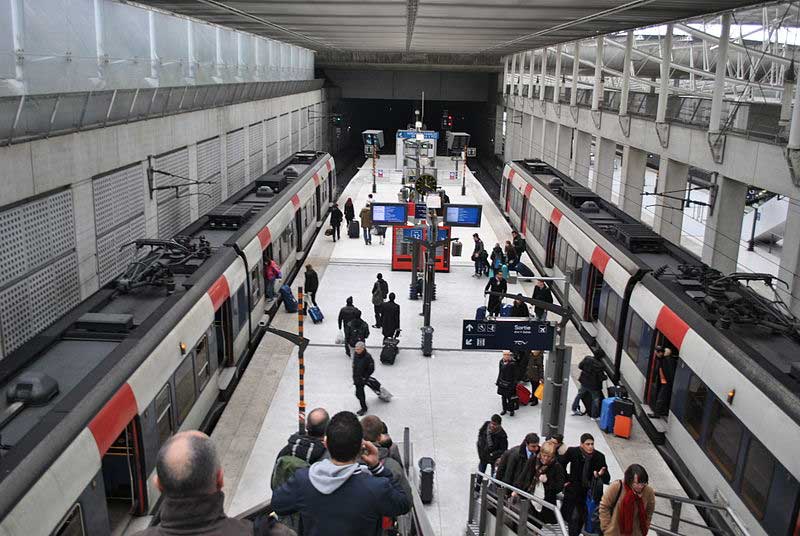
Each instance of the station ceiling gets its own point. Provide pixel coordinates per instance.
(474, 27)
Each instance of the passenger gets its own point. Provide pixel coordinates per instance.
(272, 272)
(492, 443)
(519, 308)
(521, 359)
(386, 442)
(495, 284)
(511, 256)
(534, 373)
(558, 441)
(336, 222)
(627, 506)
(346, 314)
(380, 289)
(366, 223)
(390, 316)
(483, 257)
(338, 496)
(363, 367)
(356, 331)
(380, 230)
(506, 382)
(311, 284)
(512, 462)
(591, 383)
(498, 257)
(189, 476)
(585, 464)
(373, 430)
(542, 293)
(476, 255)
(519, 244)
(666, 365)
(349, 211)
(544, 478)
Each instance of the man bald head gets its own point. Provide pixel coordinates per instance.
(317, 422)
(187, 464)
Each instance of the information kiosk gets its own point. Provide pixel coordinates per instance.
(402, 248)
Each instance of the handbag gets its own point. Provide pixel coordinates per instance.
(329, 231)
(539, 392)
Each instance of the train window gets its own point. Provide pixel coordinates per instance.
(164, 414)
(577, 271)
(570, 264)
(609, 315)
(241, 303)
(759, 466)
(72, 524)
(202, 366)
(562, 256)
(696, 396)
(634, 339)
(724, 437)
(184, 388)
(256, 289)
(557, 256)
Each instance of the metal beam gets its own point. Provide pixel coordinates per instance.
(411, 19)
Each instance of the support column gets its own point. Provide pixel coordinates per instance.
(794, 130)
(531, 131)
(597, 93)
(557, 85)
(790, 260)
(543, 86)
(581, 156)
(563, 147)
(505, 76)
(576, 56)
(634, 167)
(724, 226)
(530, 73)
(521, 72)
(666, 59)
(18, 38)
(605, 153)
(719, 76)
(672, 179)
(498, 130)
(513, 89)
(626, 75)
(100, 38)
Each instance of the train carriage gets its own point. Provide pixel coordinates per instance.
(158, 350)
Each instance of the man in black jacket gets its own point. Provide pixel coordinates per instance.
(495, 284)
(336, 222)
(311, 284)
(476, 256)
(519, 244)
(357, 330)
(380, 289)
(519, 308)
(541, 292)
(311, 445)
(390, 316)
(666, 365)
(492, 443)
(585, 464)
(340, 496)
(590, 382)
(512, 462)
(363, 367)
(346, 314)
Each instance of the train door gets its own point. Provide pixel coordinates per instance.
(651, 389)
(223, 322)
(508, 195)
(594, 287)
(318, 197)
(123, 477)
(550, 249)
(298, 222)
(523, 222)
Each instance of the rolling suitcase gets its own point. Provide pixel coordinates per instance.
(623, 407)
(388, 354)
(524, 271)
(378, 389)
(623, 426)
(456, 248)
(316, 314)
(480, 313)
(523, 394)
(505, 310)
(618, 391)
(289, 301)
(607, 414)
(352, 229)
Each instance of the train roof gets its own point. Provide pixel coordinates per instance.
(90, 340)
(733, 306)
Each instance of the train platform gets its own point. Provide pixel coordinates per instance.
(444, 399)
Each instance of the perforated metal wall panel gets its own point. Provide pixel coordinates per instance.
(295, 130)
(256, 131)
(272, 141)
(209, 168)
(173, 212)
(112, 258)
(235, 159)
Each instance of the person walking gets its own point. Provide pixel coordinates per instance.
(349, 211)
(380, 290)
(390, 317)
(499, 285)
(506, 382)
(366, 223)
(272, 272)
(534, 373)
(585, 464)
(476, 255)
(590, 382)
(492, 443)
(627, 506)
(512, 462)
(543, 477)
(311, 284)
(336, 222)
(357, 330)
(346, 314)
(542, 293)
(363, 367)
(666, 365)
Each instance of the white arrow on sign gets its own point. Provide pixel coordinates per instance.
(468, 342)
(469, 327)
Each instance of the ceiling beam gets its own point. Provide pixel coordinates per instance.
(412, 6)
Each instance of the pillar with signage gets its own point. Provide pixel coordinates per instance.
(405, 152)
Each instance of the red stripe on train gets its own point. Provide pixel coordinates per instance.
(316, 179)
(328, 165)
(672, 326)
(113, 418)
(296, 202)
(528, 190)
(555, 217)
(219, 292)
(265, 237)
(600, 258)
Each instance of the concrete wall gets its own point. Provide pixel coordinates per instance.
(409, 85)
(92, 188)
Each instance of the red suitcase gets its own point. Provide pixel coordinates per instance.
(622, 426)
(523, 394)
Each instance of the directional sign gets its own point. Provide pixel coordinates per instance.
(507, 335)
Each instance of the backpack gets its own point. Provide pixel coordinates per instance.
(285, 468)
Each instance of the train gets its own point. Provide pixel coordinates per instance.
(90, 400)
(734, 419)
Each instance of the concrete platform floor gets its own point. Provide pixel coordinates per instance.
(443, 399)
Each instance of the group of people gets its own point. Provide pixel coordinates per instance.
(515, 368)
(365, 220)
(501, 258)
(544, 470)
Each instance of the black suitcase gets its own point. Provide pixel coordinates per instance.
(524, 271)
(352, 229)
(388, 354)
(427, 469)
(623, 407)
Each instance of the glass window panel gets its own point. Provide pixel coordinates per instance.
(724, 437)
(759, 467)
(163, 414)
(184, 388)
(201, 363)
(72, 525)
(634, 337)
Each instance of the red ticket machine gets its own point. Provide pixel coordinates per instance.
(402, 248)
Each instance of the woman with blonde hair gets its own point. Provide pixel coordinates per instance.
(544, 478)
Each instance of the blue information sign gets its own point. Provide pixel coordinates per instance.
(412, 232)
(420, 211)
(389, 213)
(412, 134)
(462, 215)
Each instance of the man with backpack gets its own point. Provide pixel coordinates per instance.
(356, 331)
(346, 314)
(380, 289)
(591, 384)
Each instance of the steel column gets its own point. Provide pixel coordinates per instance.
(190, 44)
(719, 77)
(99, 38)
(573, 97)
(666, 59)
(151, 28)
(543, 84)
(598, 74)
(626, 75)
(18, 37)
(794, 131)
(557, 85)
(505, 75)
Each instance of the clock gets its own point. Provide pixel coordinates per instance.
(425, 184)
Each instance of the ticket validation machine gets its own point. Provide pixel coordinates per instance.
(403, 248)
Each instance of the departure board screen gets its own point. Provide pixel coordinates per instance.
(462, 215)
(389, 213)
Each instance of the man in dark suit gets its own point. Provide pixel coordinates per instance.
(585, 465)
(390, 316)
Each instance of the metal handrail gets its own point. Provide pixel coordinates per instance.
(502, 508)
(677, 502)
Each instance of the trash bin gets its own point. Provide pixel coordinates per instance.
(427, 468)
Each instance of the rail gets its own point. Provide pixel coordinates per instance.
(509, 516)
(733, 524)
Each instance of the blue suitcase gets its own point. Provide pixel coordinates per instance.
(480, 314)
(523, 271)
(289, 301)
(607, 414)
(316, 314)
(505, 310)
